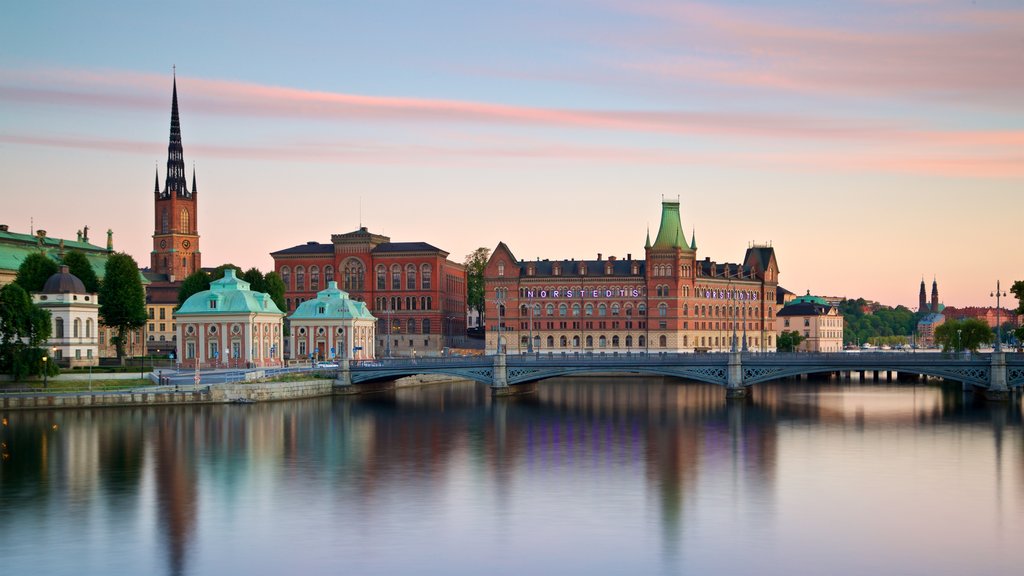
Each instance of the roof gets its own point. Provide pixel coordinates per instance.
(724, 270)
(780, 294)
(670, 232)
(15, 248)
(571, 268)
(808, 298)
(406, 247)
(331, 304)
(805, 309)
(63, 282)
(307, 248)
(230, 295)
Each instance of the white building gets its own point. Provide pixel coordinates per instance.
(74, 317)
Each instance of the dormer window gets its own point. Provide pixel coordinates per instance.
(501, 269)
(321, 309)
(529, 270)
(556, 270)
(607, 268)
(213, 304)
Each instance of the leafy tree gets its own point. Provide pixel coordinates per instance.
(78, 264)
(24, 328)
(1018, 291)
(195, 283)
(218, 272)
(475, 263)
(788, 341)
(969, 334)
(274, 286)
(122, 299)
(255, 279)
(35, 271)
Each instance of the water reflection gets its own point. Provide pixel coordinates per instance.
(667, 472)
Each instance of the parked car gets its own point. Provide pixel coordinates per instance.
(326, 365)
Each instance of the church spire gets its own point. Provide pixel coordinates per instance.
(175, 182)
(922, 298)
(935, 296)
(156, 182)
(194, 188)
(693, 241)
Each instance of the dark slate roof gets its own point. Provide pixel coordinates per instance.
(406, 247)
(761, 254)
(155, 276)
(724, 270)
(571, 268)
(63, 282)
(804, 309)
(780, 294)
(307, 248)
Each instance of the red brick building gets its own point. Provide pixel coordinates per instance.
(416, 293)
(667, 301)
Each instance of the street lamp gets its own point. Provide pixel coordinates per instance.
(999, 323)
(45, 371)
(958, 341)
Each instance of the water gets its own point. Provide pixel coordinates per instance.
(590, 476)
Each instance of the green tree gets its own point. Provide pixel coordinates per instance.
(24, 328)
(122, 299)
(195, 283)
(255, 278)
(788, 341)
(1018, 291)
(274, 286)
(475, 263)
(78, 264)
(35, 271)
(969, 334)
(218, 272)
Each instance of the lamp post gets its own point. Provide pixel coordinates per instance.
(999, 323)
(45, 371)
(743, 299)
(732, 297)
(958, 341)
(529, 317)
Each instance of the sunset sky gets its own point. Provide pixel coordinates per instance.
(872, 143)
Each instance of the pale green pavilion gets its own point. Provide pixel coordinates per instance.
(332, 325)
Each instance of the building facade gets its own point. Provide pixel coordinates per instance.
(819, 322)
(332, 325)
(229, 326)
(417, 295)
(667, 301)
(74, 319)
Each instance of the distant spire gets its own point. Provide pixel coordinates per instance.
(922, 298)
(156, 183)
(648, 243)
(935, 296)
(693, 242)
(175, 181)
(194, 189)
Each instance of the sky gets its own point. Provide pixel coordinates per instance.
(873, 143)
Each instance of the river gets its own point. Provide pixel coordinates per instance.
(588, 476)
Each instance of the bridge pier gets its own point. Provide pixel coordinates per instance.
(734, 388)
(997, 390)
(344, 374)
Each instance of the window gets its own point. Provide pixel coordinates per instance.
(615, 309)
(562, 309)
(88, 328)
(163, 313)
(58, 330)
(588, 310)
(150, 312)
(190, 350)
(575, 341)
(328, 274)
(381, 278)
(426, 325)
(353, 275)
(590, 341)
(641, 310)
(396, 277)
(602, 342)
(410, 277)
(501, 269)
(411, 326)
(184, 224)
(549, 309)
(286, 277)
(615, 341)
(641, 342)
(425, 277)
(164, 227)
(663, 309)
(77, 330)
(562, 342)
(629, 341)
(551, 341)
(314, 278)
(300, 279)
(662, 341)
(602, 310)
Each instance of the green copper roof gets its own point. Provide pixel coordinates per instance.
(229, 295)
(647, 244)
(670, 233)
(808, 299)
(15, 247)
(331, 304)
(693, 243)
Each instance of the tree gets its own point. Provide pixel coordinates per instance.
(275, 287)
(475, 263)
(1018, 291)
(218, 272)
(788, 341)
(122, 299)
(35, 271)
(24, 328)
(969, 334)
(257, 283)
(78, 264)
(195, 283)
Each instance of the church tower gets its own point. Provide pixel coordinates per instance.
(176, 228)
(922, 298)
(935, 297)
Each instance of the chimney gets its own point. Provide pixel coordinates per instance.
(598, 256)
(629, 256)
(3, 227)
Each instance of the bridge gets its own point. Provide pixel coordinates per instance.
(996, 374)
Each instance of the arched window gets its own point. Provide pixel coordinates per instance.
(58, 329)
(602, 310)
(663, 309)
(184, 223)
(536, 309)
(549, 309)
(615, 308)
(590, 341)
(328, 274)
(551, 341)
(629, 341)
(300, 278)
(523, 310)
(563, 309)
(353, 275)
(164, 222)
(615, 341)
(411, 325)
(77, 328)
(425, 277)
(426, 325)
(88, 328)
(430, 303)
(381, 278)
(588, 310)
(641, 310)
(662, 341)
(314, 278)
(562, 341)
(641, 342)
(286, 277)
(396, 277)
(629, 309)
(602, 342)
(575, 341)
(576, 309)
(410, 277)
